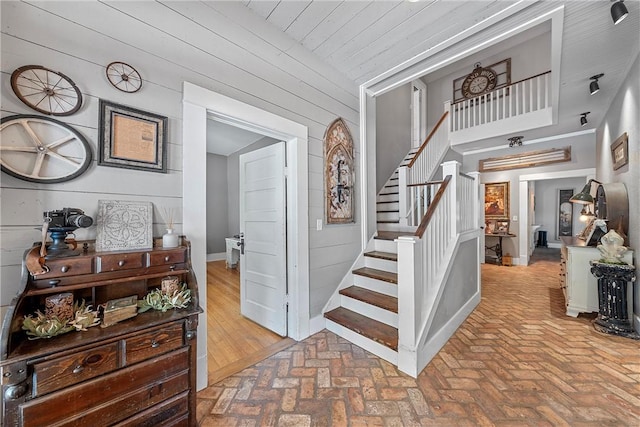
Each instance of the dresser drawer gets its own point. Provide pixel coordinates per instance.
(63, 267)
(59, 373)
(153, 343)
(175, 256)
(171, 412)
(120, 261)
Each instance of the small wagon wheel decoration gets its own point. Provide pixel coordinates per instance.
(124, 77)
(41, 149)
(46, 91)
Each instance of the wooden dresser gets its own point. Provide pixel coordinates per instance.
(138, 372)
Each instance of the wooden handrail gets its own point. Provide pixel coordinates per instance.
(426, 141)
(432, 207)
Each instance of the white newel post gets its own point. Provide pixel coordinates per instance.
(410, 297)
(403, 196)
(453, 168)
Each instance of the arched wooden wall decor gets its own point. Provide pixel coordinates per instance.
(339, 173)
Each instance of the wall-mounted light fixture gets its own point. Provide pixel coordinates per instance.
(618, 11)
(584, 196)
(515, 141)
(594, 87)
(583, 118)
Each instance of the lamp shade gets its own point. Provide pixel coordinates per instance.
(584, 196)
(618, 12)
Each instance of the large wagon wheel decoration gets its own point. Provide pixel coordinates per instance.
(124, 77)
(46, 91)
(41, 149)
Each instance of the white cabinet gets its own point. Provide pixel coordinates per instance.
(579, 286)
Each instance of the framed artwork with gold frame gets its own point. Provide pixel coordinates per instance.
(496, 200)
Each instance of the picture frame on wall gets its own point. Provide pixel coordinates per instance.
(496, 200)
(620, 151)
(565, 213)
(132, 139)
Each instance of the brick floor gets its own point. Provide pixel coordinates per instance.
(516, 361)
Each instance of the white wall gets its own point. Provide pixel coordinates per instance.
(217, 202)
(217, 45)
(621, 117)
(393, 131)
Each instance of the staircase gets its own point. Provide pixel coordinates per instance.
(368, 311)
(388, 199)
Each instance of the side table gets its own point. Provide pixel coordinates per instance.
(613, 315)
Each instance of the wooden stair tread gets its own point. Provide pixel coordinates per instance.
(388, 221)
(389, 201)
(390, 256)
(390, 210)
(377, 299)
(372, 329)
(373, 273)
(392, 235)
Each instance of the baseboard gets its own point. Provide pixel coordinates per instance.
(440, 338)
(216, 257)
(316, 324)
(555, 245)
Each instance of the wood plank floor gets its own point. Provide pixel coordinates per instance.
(234, 342)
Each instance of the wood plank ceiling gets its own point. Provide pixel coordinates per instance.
(363, 39)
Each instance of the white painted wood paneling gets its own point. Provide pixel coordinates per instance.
(222, 46)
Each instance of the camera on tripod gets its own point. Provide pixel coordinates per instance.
(61, 223)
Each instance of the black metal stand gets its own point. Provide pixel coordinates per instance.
(613, 316)
(497, 248)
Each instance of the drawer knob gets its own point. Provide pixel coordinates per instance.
(167, 258)
(155, 344)
(190, 335)
(64, 268)
(121, 263)
(14, 392)
(53, 283)
(78, 369)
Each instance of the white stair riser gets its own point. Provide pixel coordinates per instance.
(385, 246)
(393, 206)
(376, 285)
(381, 264)
(371, 311)
(371, 346)
(386, 216)
(387, 198)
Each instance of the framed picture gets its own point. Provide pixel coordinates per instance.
(131, 138)
(502, 226)
(620, 151)
(565, 213)
(339, 173)
(490, 226)
(496, 200)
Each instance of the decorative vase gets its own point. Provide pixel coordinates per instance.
(169, 239)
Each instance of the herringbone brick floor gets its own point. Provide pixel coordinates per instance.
(516, 361)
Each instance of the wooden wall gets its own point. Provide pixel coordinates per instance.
(221, 46)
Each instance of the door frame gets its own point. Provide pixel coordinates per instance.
(197, 104)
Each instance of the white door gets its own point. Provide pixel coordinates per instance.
(263, 258)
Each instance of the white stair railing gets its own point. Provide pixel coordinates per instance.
(523, 97)
(424, 258)
(420, 170)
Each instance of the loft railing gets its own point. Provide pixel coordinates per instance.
(412, 178)
(522, 97)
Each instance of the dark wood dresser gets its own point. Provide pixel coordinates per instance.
(138, 372)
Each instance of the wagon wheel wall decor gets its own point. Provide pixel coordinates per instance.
(41, 149)
(338, 173)
(124, 77)
(46, 91)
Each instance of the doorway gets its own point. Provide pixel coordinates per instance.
(198, 103)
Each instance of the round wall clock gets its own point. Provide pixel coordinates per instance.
(124, 77)
(46, 91)
(478, 82)
(41, 149)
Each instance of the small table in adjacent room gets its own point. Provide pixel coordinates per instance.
(497, 248)
(613, 313)
(233, 251)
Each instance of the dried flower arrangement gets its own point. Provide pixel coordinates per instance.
(158, 300)
(42, 326)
